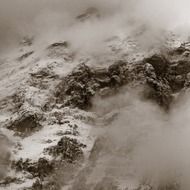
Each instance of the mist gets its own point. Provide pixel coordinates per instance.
(49, 20)
(144, 142)
(5, 155)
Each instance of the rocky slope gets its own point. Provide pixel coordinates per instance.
(54, 112)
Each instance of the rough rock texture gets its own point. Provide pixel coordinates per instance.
(162, 77)
(76, 89)
(81, 85)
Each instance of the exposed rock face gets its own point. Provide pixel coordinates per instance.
(156, 72)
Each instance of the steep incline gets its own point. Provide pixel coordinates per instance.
(57, 106)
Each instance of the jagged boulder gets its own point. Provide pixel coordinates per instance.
(159, 88)
(74, 90)
(166, 76)
(25, 124)
(68, 149)
(118, 73)
(160, 64)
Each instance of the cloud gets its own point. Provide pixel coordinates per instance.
(47, 17)
(144, 141)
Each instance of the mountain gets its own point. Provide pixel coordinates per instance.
(75, 120)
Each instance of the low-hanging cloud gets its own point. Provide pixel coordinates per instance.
(57, 19)
(144, 142)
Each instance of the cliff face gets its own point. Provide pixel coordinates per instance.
(76, 121)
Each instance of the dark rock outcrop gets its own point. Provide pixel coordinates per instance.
(74, 90)
(81, 85)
